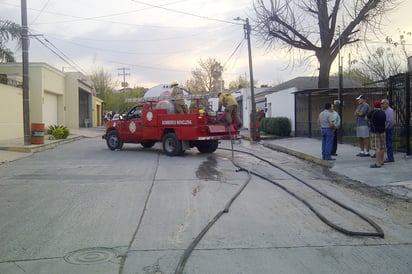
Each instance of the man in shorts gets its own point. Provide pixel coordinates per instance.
(362, 127)
(377, 118)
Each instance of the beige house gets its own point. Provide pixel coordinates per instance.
(11, 108)
(79, 100)
(56, 98)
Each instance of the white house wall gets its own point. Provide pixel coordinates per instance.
(246, 105)
(11, 112)
(282, 104)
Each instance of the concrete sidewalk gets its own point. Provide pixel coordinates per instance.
(394, 178)
(11, 150)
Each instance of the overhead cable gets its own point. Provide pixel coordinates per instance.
(186, 13)
(50, 46)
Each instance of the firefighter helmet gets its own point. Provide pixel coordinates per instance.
(174, 84)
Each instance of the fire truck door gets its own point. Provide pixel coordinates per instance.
(132, 129)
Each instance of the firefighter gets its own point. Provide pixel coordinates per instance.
(177, 97)
(231, 108)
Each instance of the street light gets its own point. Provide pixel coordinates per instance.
(246, 27)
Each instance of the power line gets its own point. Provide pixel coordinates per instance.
(58, 53)
(41, 11)
(96, 18)
(123, 52)
(186, 13)
(78, 18)
(142, 66)
(233, 53)
(64, 54)
(198, 33)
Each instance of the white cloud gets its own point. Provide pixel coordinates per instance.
(158, 45)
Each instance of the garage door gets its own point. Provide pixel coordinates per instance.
(50, 109)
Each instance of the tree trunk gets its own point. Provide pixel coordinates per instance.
(325, 62)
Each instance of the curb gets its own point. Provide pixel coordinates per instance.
(300, 155)
(42, 147)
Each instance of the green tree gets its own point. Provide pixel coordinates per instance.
(116, 100)
(241, 82)
(136, 92)
(8, 31)
(312, 25)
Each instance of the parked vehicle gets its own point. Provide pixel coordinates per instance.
(152, 120)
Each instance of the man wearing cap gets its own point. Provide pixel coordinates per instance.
(377, 120)
(389, 129)
(362, 128)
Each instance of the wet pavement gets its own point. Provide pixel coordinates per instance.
(393, 178)
(81, 208)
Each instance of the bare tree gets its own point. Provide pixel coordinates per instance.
(403, 37)
(312, 25)
(381, 64)
(102, 82)
(207, 77)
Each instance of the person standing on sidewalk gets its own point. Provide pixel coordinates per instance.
(336, 122)
(326, 122)
(377, 120)
(362, 128)
(389, 129)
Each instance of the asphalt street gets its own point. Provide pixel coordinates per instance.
(81, 208)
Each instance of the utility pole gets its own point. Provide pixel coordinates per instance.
(247, 29)
(122, 72)
(25, 63)
(340, 90)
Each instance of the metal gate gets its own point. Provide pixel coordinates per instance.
(400, 100)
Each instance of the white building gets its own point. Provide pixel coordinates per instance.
(282, 104)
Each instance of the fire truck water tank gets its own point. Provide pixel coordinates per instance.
(168, 105)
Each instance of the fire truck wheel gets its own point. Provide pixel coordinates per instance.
(208, 147)
(171, 145)
(148, 144)
(113, 141)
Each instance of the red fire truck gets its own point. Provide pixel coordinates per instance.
(154, 120)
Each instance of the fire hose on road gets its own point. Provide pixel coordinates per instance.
(379, 232)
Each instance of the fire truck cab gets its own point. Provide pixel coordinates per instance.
(154, 120)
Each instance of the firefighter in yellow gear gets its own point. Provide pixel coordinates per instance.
(231, 108)
(177, 97)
